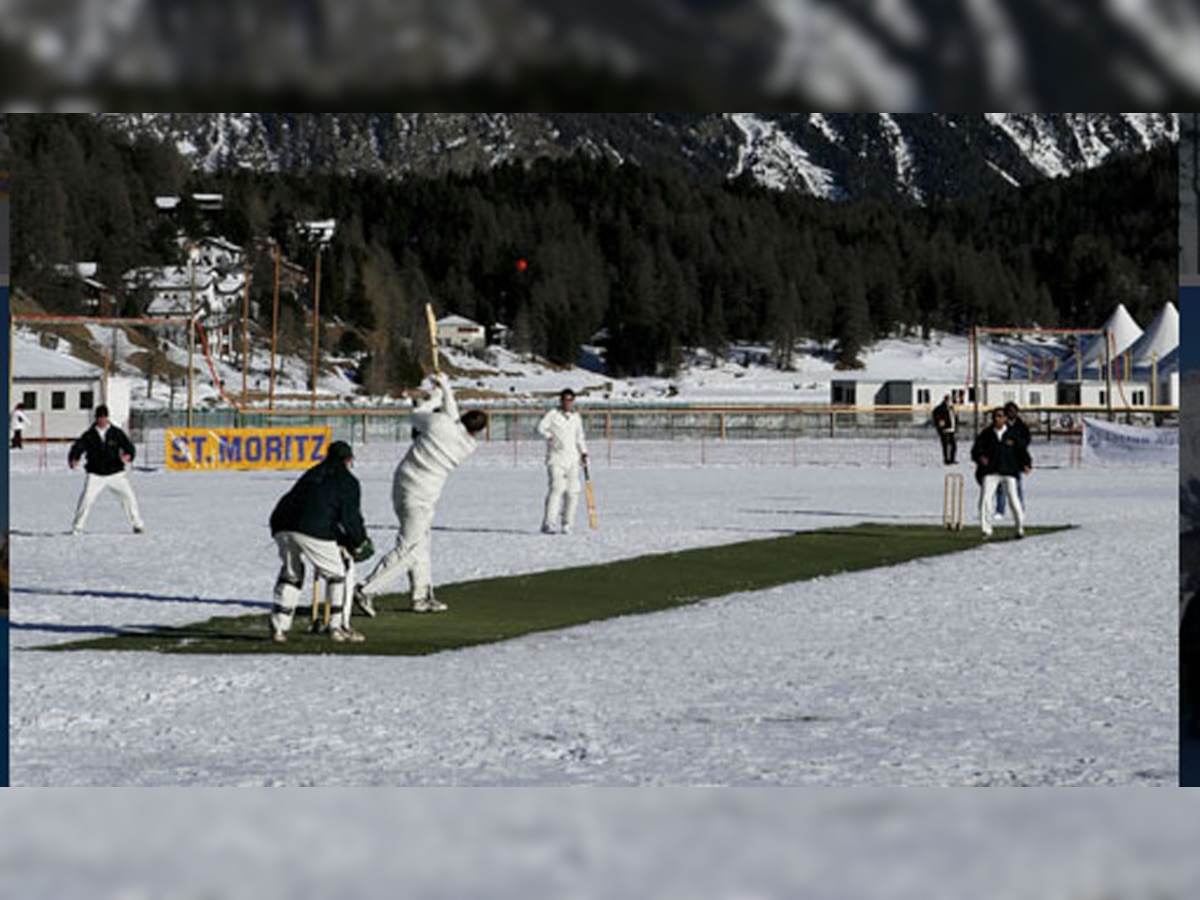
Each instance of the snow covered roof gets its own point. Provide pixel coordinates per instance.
(1124, 332)
(31, 360)
(458, 321)
(1160, 337)
(77, 269)
(231, 283)
(164, 305)
(167, 278)
(219, 242)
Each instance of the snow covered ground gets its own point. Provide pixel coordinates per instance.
(1045, 662)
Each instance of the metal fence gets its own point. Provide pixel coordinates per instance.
(516, 423)
(710, 437)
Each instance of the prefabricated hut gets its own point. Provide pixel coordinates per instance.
(869, 393)
(60, 392)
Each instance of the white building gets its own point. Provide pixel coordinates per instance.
(60, 392)
(871, 393)
(1126, 393)
(169, 203)
(1168, 379)
(922, 394)
(169, 289)
(459, 331)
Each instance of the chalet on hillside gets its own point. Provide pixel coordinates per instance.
(461, 332)
(93, 295)
(215, 252)
(219, 299)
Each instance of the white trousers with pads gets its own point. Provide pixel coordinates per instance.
(329, 562)
(562, 495)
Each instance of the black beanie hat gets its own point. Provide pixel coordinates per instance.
(339, 450)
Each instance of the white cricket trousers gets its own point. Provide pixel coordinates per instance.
(328, 562)
(95, 485)
(562, 496)
(413, 552)
(987, 500)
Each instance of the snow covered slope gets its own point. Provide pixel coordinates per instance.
(746, 375)
(910, 158)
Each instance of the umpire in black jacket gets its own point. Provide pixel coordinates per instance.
(946, 422)
(107, 449)
(1000, 456)
(320, 520)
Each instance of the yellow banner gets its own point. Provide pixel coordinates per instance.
(246, 448)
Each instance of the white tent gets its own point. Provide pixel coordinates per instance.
(1125, 331)
(1169, 361)
(1160, 337)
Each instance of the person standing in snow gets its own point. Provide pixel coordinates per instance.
(1000, 457)
(442, 439)
(566, 450)
(19, 423)
(320, 521)
(107, 449)
(1015, 424)
(946, 422)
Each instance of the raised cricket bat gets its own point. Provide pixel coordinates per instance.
(432, 320)
(593, 519)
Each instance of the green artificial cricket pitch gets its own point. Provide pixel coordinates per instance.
(496, 609)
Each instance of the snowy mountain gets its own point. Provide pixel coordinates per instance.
(911, 157)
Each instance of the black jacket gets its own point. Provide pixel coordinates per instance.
(325, 504)
(103, 454)
(943, 419)
(1005, 455)
(1021, 432)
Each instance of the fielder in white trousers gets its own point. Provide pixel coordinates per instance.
(329, 561)
(562, 429)
(94, 486)
(991, 484)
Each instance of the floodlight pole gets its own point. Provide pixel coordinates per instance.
(316, 344)
(274, 330)
(245, 327)
(191, 329)
(975, 363)
(1108, 364)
